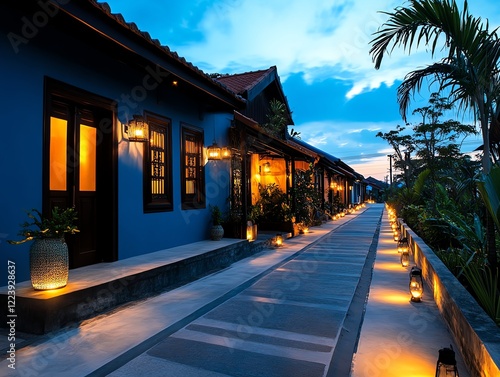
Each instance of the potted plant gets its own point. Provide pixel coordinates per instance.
(49, 253)
(217, 231)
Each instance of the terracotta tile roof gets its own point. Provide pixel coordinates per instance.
(106, 9)
(241, 82)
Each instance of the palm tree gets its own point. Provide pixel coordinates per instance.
(469, 71)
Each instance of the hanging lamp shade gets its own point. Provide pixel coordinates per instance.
(214, 152)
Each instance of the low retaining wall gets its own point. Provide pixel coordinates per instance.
(474, 331)
(42, 314)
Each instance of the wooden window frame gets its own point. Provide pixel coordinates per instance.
(153, 201)
(196, 200)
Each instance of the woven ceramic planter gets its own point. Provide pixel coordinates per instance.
(49, 263)
(216, 232)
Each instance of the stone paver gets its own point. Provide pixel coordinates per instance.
(285, 324)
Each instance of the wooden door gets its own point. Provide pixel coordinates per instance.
(77, 175)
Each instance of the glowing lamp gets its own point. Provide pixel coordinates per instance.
(403, 245)
(446, 364)
(250, 233)
(138, 129)
(49, 263)
(214, 152)
(416, 284)
(278, 241)
(405, 259)
(267, 168)
(396, 235)
(225, 153)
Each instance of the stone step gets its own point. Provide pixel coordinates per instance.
(99, 288)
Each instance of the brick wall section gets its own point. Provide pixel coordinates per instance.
(474, 331)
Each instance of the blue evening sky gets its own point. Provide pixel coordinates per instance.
(321, 50)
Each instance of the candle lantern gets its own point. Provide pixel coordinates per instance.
(396, 236)
(278, 241)
(405, 259)
(250, 233)
(403, 245)
(446, 364)
(416, 284)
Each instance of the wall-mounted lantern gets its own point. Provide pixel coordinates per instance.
(137, 129)
(446, 364)
(213, 152)
(225, 153)
(266, 168)
(416, 284)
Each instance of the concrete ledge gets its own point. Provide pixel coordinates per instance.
(95, 289)
(474, 331)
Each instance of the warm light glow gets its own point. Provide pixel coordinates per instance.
(389, 296)
(387, 266)
(88, 141)
(225, 153)
(405, 259)
(58, 153)
(396, 235)
(279, 240)
(138, 129)
(250, 236)
(416, 284)
(213, 152)
(267, 168)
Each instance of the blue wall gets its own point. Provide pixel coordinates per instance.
(22, 76)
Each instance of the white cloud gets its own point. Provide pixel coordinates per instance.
(320, 39)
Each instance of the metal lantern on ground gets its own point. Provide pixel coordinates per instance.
(403, 245)
(405, 259)
(446, 364)
(396, 236)
(416, 284)
(249, 232)
(278, 240)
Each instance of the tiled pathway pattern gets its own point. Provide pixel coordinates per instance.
(286, 324)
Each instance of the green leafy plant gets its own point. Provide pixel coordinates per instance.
(61, 221)
(254, 213)
(274, 204)
(485, 286)
(216, 214)
(308, 200)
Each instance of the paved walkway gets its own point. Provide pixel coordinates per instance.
(279, 313)
(399, 337)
